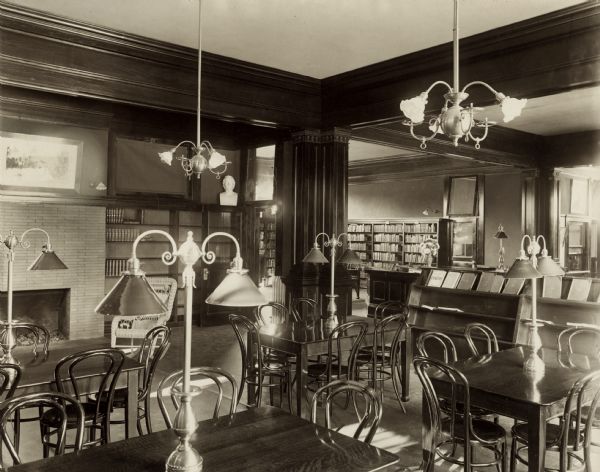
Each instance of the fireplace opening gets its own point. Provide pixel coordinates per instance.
(48, 308)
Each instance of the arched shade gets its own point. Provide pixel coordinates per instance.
(315, 256)
(48, 260)
(236, 289)
(522, 269)
(350, 257)
(546, 266)
(131, 296)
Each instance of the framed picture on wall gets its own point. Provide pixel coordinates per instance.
(40, 163)
(462, 200)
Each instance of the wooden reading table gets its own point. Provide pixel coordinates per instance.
(498, 383)
(260, 439)
(303, 341)
(38, 374)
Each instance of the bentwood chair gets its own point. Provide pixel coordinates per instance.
(444, 344)
(38, 336)
(153, 348)
(257, 366)
(67, 409)
(372, 412)
(10, 376)
(380, 361)
(389, 307)
(279, 314)
(69, 376)
(215, 375)
(456, 429)
(343, 344)
(571, 437)
(483, 331)
(305, 308)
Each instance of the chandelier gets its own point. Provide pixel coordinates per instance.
(204, 156)
(456, 121)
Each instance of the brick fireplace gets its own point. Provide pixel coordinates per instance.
(78, 238)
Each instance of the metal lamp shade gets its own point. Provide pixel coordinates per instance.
(131, 296)
(522, 269)
(236, 289)
(350, 257)
(48, 260)
(501, 235)
(315, 256)
(547, 267)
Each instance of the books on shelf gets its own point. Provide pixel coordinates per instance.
(485, 282)
(579, 290)
(467, 280)
(451, 280)
(436, 278)
(513, 286)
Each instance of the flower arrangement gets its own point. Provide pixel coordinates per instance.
(429, 249)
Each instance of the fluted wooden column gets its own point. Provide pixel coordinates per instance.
(315, 200)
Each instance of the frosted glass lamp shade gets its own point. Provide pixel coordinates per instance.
(350, 257)
(238, 290)
(315, 256)
(547, 267)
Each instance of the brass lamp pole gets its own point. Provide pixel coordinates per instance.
(315, 256)
(47, 260)
(133, 296)
(529, 266)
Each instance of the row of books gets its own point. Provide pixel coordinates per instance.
(420, 228)
(356, 237)
(383, 265)
(418, 238)
(359, 227)
(488, 281)
(387, 238)
(358, 246)
(391, 247)
(390, 228)
(412, 248)
(122, 234)
(413, 258)
(118, 216)
(114, 267)
(384, 256)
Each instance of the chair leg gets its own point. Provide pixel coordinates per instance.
(45, 448)
(17, 429)
(242, 383)
(505, 456)
(513, 455)
(147, 413)
(126, 410)
(289, 391)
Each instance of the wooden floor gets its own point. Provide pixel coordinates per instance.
(216, 346)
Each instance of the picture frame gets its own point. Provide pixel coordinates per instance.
(40, 163)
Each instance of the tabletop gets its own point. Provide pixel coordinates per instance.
(259, 439)
(39, 372)
(302, 333)
(502, 373)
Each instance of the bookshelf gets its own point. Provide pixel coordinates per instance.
(382, 244)
(266, 248)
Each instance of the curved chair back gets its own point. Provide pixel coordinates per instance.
(74, 366)
(153, 349)
(279, 314)
(484, 331)
(444, 342)
(567, 336)
(247, 332)
(56, 400)
(389, 307)
(10, 376)
(304, 307)
(458, 413)
(373, 408)
(337, 346)
(40, 336)
(215, 374)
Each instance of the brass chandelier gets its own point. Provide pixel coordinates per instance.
(456, 121)
(214, 161)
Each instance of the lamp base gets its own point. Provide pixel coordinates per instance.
(332, 320)
(533, 363)
(184, 458)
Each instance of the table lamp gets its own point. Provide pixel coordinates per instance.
(47, 260)
(315, 256)
(527, 266)
(500, 235)
(132, 295)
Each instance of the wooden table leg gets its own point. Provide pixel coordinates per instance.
(406, 360)
(536, 428)
(427, 435)
(132, 402)
(250, 391)
(301, 381)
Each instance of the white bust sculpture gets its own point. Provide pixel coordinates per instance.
(228, 197)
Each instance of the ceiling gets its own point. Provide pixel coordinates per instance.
(321, 38)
